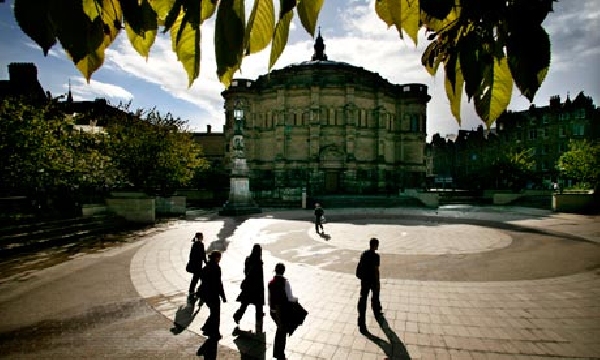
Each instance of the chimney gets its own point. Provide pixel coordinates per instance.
(554, 101)
(208, 129)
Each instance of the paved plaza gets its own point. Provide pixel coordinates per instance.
(456, 283)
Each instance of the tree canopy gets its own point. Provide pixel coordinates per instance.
(582, 162)
(484, 47)
(154, 153)
(41, 148)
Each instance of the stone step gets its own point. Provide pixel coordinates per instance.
(32, 237)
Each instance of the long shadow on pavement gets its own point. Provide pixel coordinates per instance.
(208, 349)
(229, 226)
(184, 316)
(252, 345)
(393, 348)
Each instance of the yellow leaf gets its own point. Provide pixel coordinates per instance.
(162, 7)
(91, 8)
(429, 54)
(143, 38)
(454, 93)
(141, 43)
(260, 26)
(383, 11)
(308, 11)
(229, 38)
(280, 37)
(542, 75)
(438, 25)
(496, 92)
(110, 16)
(208, 9)
(406, 15)
(185, 40)
(90, 63)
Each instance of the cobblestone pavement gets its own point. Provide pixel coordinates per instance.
(466, 283)
(458, 283)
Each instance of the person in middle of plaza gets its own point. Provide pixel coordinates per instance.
(367, 271)
(197, 257)
(280, 297)
(211, 292)
(252, 288)
(319, 217)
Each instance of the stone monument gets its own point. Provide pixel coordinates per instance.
(240, 198)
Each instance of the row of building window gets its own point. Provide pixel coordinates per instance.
(534, 134)
(566, 116)
(335, 117)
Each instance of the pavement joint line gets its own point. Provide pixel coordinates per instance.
(311, 284)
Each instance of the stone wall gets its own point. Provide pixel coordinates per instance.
(174, 205)
(134, 207)
(574, 202)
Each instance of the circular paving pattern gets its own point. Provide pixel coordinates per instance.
(447, 289)
(415, 239)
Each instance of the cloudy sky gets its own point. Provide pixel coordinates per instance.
(353, 33)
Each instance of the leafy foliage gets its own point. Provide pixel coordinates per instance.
(582, 162)
(515, 168)
(154, 153)
(40, 149)
(485, 46)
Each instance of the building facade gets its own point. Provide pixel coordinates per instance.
(329, 127)
(543, 131)
(547, 130)
(23, 83)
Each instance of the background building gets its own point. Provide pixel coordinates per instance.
(23, 83)
(329, 127)
(544, 131)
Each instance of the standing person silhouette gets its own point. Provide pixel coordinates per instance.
(197, 257)
(280, 297)
(368, 273)
(318, 217)
(211, 292)
(252, 288)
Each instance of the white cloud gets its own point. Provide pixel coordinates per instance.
(81, 90)
(164, 70)
(360, 38)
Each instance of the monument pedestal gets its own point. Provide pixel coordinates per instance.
(240, 199)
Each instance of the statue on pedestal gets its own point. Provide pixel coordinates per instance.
(240, 198)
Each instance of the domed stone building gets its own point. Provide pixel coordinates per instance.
(328, 127)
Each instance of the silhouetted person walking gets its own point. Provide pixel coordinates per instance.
(253, 288)
(280, 297)
(211, 292)
(197, 257)
(318, 217)
(368, 272)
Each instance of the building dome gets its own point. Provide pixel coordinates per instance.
(329, 127)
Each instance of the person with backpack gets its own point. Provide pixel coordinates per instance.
(367, 271)
(211, 292)
(252, 288)
(280, 298)
(194, 265)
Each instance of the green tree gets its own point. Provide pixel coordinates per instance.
(40, 149)
(582, 163)
(514, 168)
(154, 152)
(484, 47)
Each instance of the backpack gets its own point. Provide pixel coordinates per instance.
(360, 267)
